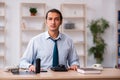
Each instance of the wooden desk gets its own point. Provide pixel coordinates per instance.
(107, 74)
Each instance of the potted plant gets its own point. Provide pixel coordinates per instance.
(33, 11)
(97, 28)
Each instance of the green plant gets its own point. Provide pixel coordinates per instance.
(97, 28)
(33, 10)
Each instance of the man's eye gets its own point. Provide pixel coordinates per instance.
(49, 18)
(57, 19)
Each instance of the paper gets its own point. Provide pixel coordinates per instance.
(88, 70)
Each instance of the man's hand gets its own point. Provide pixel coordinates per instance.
(32, 68)
(73, 67)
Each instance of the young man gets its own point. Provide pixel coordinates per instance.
(41, 46)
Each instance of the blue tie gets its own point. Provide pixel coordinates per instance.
(55, 54)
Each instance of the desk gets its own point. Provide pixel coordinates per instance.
(107, 74)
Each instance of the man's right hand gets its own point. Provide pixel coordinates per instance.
(32, 68)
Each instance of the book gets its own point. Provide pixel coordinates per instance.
(88, 70)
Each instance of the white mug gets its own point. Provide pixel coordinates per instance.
(97, 66)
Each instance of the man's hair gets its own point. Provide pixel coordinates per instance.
(56, 11)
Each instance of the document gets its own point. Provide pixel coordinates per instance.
(89, 70)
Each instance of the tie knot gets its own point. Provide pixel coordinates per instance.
(55, 40)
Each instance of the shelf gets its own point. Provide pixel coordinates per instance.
(2, 9)
(81, 55)
(73, 30)
(2, 16)
(25, 42)
(32, 17)
(32, 30)
(73, 4)
(74, 17)
(2, 3)
(2, 55)
(79, 43)
(33, 4)
(2, 28)
(118, 44)
(2, 43)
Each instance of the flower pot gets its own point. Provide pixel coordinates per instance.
(33, 14)
(98, 60)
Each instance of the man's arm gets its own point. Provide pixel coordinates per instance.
(73, 59)
(28, 56)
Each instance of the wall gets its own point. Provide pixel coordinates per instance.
(95, 9)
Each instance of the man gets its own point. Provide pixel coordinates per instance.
(41, 46)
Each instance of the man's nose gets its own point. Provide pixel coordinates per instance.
(53, 21)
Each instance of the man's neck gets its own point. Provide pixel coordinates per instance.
(53, 34)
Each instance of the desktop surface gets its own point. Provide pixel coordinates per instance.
(107, 74)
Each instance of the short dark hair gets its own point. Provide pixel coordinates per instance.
(56, 11)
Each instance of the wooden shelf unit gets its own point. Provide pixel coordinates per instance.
(31, 25)
(74, 25)
(118, 39)
(2, 33)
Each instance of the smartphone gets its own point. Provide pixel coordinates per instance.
(43, 70)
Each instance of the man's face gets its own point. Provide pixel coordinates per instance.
(53, 21)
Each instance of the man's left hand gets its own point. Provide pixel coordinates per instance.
(73, 67)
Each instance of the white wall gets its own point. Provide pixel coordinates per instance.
(95, 9)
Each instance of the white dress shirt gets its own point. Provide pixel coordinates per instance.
(41, 46)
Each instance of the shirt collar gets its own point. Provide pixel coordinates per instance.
(47, 36)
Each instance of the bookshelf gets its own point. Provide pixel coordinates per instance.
(118, 40)
(31, 25)
(2, 33)
(74, 25)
